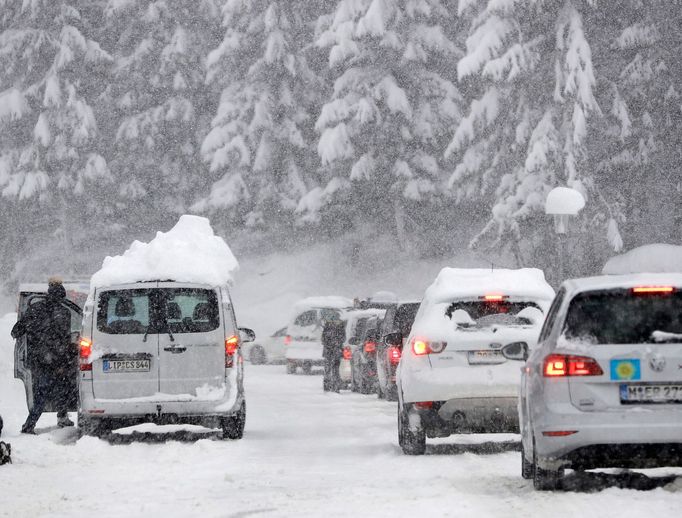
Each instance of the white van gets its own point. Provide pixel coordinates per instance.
(164, 352)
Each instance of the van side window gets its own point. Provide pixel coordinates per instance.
(309, 318)
(551, 315)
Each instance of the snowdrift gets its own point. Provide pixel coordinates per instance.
(189, 252)
(655, 258)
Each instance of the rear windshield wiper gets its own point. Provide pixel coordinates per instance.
(664, 336)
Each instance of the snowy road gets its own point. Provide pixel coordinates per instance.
(305, 453)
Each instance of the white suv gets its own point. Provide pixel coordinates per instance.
(604, 386)
(163, 352)
(452, 376)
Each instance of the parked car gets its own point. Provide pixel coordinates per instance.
(162, 352)
(363, 357)
(453, 377)
(269, 350)
(604, 386)
(304, 332)
(398, 319)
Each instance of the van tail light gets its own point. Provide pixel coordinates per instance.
(347, 353)
(370, 347)
(421, 346)
(561, 365)
(287, 340)
(84, 352)
(393, 355)
(231, 345)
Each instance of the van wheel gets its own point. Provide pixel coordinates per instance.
(233, 427)
(93, 428)
(257, 355)
(291, 367)
(307, 367)
(411, 442)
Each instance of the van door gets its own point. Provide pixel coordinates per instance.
(22, 370)
(125, 343)
(191, 342)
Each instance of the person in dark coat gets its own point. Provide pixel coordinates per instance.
(333, 338)
(47, 326)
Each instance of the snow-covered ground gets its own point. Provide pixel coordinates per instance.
(304, 453)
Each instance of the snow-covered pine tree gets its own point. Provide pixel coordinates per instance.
(259, 148)
(160, 106)
(393, 102)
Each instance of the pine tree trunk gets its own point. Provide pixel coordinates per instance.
(400, 229)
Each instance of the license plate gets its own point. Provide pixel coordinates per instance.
(126, 365)
(485, 357)
(647, 394)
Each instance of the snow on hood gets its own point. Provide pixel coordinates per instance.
(189, 252)
(655, 258)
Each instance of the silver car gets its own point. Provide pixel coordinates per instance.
(604, 386)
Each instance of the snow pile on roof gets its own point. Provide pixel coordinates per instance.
(655, 258)
(463, 283)
(189, 252)
(331, 301)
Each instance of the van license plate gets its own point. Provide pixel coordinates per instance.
(126, 366)
(643, 394)
(485, 357)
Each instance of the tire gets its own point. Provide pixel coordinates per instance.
(544, 479)
(354, 387)
(233, 427)
(527, 468)
(93, 428)
(257, 355)
(291, 367)
(307, 367)
(412, 443)
(380, 392)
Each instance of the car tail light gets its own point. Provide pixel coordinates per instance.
(648, 290)
(494, 298)
(421, 346)
(287, 340)
(559, 365)
(559, 433)
(231, 345)
(347, 353)
(424, 405)
(84, 352)
(394, 354)
(370, 347)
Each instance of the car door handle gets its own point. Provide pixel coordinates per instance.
(175, 350)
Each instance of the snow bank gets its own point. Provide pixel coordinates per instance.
(655, 258)
(189, 252)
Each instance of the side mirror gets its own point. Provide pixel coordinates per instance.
(394, 339)
(246, 335)
(353, 340)
(516, 351)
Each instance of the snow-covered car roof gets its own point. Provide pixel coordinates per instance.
(189, 252)
(331, 301)
(655, 258)
(357, 314)
(462, 283)
(605, 282)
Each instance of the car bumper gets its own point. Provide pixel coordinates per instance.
(305, 353)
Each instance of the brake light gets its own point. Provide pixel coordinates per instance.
(287, 339)
(370, 347)
(347, 353)
(644, 290)
(421, 346)
(393, 354)
(84, 352)
(559, 365)
(231, 346)
(559, 433)
(494, 298)
(423, 405)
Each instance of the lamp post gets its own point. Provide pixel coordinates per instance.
(562, 203)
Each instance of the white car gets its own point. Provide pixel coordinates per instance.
(269, 350)
(304, 342)
(452, 377)
(604, 386)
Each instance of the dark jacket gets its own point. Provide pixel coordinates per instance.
(333, 338)
(47, 326)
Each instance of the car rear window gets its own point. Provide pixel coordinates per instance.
(486, 313)
(158, 310)
(622, 317)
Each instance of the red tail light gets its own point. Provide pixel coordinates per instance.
(231, 345)
(423, 405)
(393, 355)
(84, 352)
(287, 339)
(559, 365)
(648, 290)
(370, 347)
(421, 346)
(559, 433)
(347, 353)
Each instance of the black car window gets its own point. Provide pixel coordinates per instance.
(552, 315)
(404, 318)
(309, 318)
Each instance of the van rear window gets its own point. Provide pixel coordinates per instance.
(622, 317)
(158, 310)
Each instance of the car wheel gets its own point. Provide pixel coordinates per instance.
(545, 479)
(257, 355)
(411, 442)
(233, 426)
(307, 367)
(291, 367)
(527, 468)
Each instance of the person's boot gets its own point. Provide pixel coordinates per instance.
(64, 421)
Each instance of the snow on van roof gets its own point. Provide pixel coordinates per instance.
(461, 283)
(331, 301)
(189, 252)
(654, 258)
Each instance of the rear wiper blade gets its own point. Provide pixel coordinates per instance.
(144, 338)
(665, 336)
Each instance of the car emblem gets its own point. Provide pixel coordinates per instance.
(495, 346)
(657, 363)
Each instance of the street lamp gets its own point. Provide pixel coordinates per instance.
(562, 203)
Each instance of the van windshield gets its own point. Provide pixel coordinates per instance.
(158, 310)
